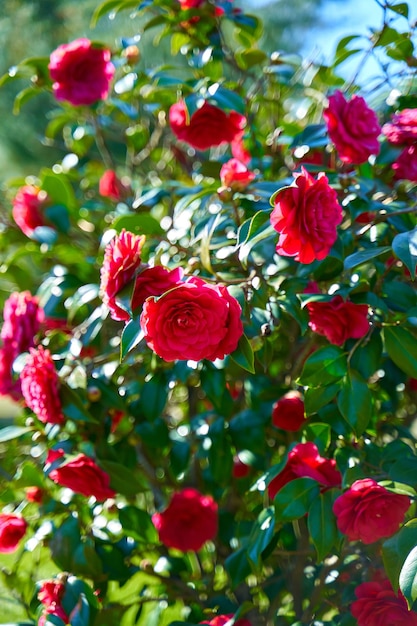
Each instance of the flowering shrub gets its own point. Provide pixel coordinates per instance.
(210, 332)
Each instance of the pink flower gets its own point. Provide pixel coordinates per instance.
(28, 205)
(154, 281)
(402, 130)
(40, 386)
(338, 320)
(188, 522)
(406, 164)
(235, 174)
(208, 126)
(239, 151)
(306, 215)
(304, 461)
(12, 530)
(110, 186)
(8, 386)
(353, 127)
(377, 604)
(193, 321)
(369, 512)
(221, 620)
(51, 594)
(288, 412)
(84, 476)
(81, 72)
(121, 261)
(22, 320)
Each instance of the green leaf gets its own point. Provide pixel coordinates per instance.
(401, 346)
(401, 8)
(319, 434)
(322, 524)
(313, 136)
(24, 96)
(404, 247)
(243, 355)
(64, 542)
(141, 224)
(324, 367)
(138, 524)
(396, 549)
(58, 188)
(110, 6)
(262, 533)
(252, 226)
(317, 397)
(238, 566)
(355, 402)
(408, 578)
(295, 498)
(72, 406)
(250, 57)
(132, 335)
(220, 454)
(13, 432)
(363, 256)
(123, 479)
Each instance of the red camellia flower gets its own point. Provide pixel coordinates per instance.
(121, 261)
(368, 512)
(221, 620)
(81, 72)
(22, 320)
(194, 321)
(304, 461)
(51, 594)
(338, 320)
(406, 164)
(288, 412)
(8, 386)
(12, 530)
(306, 215)
(208, 126)
(28, 204)
(235, 175)
(34, 494)
(154, 281)
(353, 127)
(84, 476)
(188, 522)
(402, 130)
(377, 604)
(40, 385)
(110, 186)
(191, 4)
(240, 469)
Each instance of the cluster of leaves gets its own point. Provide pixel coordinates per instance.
(183, 423)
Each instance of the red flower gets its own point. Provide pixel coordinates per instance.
(81, 72)
(22, 320)
(338, 320)
(40, 385)
(368, 512)
(191, 4)
(235, 174)
(221, 620)
(304, 461)
(51, 594)
(28, 204)
(34, 494)
(188, 522)
(240, 469)
(288, 412)
(84, 476)
(406, 164)
(353, 127)
(110, 186)
(306, 214)
(208, 126)
(121, 261)
(194, 321)
(154, 281)
(239, 150)
(8, 386)
(12, 530)
(402, 130)
(377, 604)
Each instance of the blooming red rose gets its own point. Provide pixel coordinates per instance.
(377, 604)
(28, 205)
(221, 620)
(121, 261)
(154, 281)
(304, 461)
(34, 494)
(338, 320)
(288, 412)
(406, 164)
(368, 512)
(188, 522)
(22, 317)
(51, 594)
(84, 476)
(306, 215)
(12, 530)
(235, 174)
(206, 127)
(110, 186)
(40, 386)
(402, 130)
(81, 73)
(353, 127)
(194, 321)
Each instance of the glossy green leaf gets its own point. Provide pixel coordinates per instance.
(262, 533)
(140, 224)
(123, 479)
(404, 247)
(138, 524)
(132, 335)
(324, 367)
(13, 432)
(322, 524)
(396, 549)
(363, 256)
(238, 566)
(243, 355)
(355, 402)
(295, 498)
(317, 397)
(401, 346)
(72, 405)
(408, 577)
